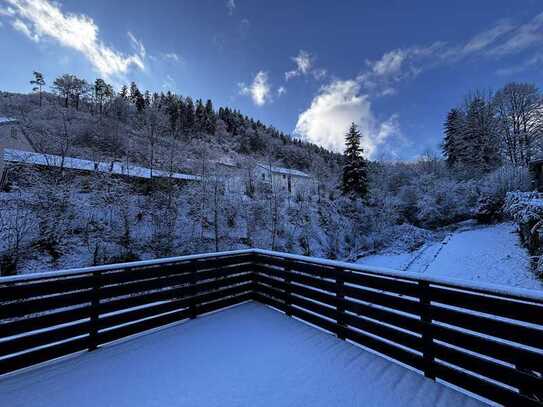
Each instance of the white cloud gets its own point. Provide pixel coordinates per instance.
(6, 11)
(305, 65)
(303, 62)
(524, 36)
(169, 83)
(41, 19)
(504, 38)
(281, 91)
(390, 63)
(530, 63)
(319, 73)
(230, 6)
(259, 90)
(486, 38)
(332, 111)
(397, 65)
(172, 56)
(23, 28)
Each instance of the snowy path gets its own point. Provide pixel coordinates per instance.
(486, 254)
(249, 355)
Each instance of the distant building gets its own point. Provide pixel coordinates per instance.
(287, 179)
(16, 149)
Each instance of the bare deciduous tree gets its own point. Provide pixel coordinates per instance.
(520, 112)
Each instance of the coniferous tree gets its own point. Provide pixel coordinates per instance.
(454, 126)
(210, 118)
(354, 181)
(200, 116)
(189, 115)
(124, 92)
(134, 94)
(64, 86)
(102, 91)
(38, 83)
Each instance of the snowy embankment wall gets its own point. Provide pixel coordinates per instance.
(526, 209)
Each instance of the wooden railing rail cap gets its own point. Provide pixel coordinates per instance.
(118, 266)
(487, 288)
(500, 290)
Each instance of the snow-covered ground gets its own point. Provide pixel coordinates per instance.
(485, 254)
(249, 355)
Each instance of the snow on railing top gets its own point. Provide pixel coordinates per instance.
(115, 167)
(523, 293)
(119, 266)
(383, 271)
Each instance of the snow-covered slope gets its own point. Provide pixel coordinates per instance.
(487, 254)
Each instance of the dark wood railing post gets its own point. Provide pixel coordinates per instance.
(95, 310)
(288, 300)
(193, 310)
(340, 303)
(427, 334)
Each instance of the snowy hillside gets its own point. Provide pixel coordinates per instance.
(487, 254)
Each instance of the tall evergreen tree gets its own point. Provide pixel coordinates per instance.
(200, 116)
(189, 115)
(102, 91)
(38, 83)
(124, 92)
(355, 172)
(454, 126)
(210, 118)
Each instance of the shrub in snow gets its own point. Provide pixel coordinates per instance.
(526, 209)
(489, 208)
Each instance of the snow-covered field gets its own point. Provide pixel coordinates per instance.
(485, 254)
(249, 355)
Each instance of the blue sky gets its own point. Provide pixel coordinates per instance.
(308, 68)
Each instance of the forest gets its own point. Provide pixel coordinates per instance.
(52, 218)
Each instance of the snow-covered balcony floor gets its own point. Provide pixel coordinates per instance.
(249, 355)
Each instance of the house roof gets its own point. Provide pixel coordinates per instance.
(117, 167)
(282, 170)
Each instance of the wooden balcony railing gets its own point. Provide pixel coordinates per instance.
(486, 340)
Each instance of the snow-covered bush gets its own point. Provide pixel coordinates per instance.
(524, 207)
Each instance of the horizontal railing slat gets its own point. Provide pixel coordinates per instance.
(140, 313)
(487, 368)
(489, 347)
(43, 321)
(35, 340)
(45, 304)
(169, 293)
(42, 355)
(157, 283)
(483, 387)
(26, 290)
(489, 326)
(517, 310)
